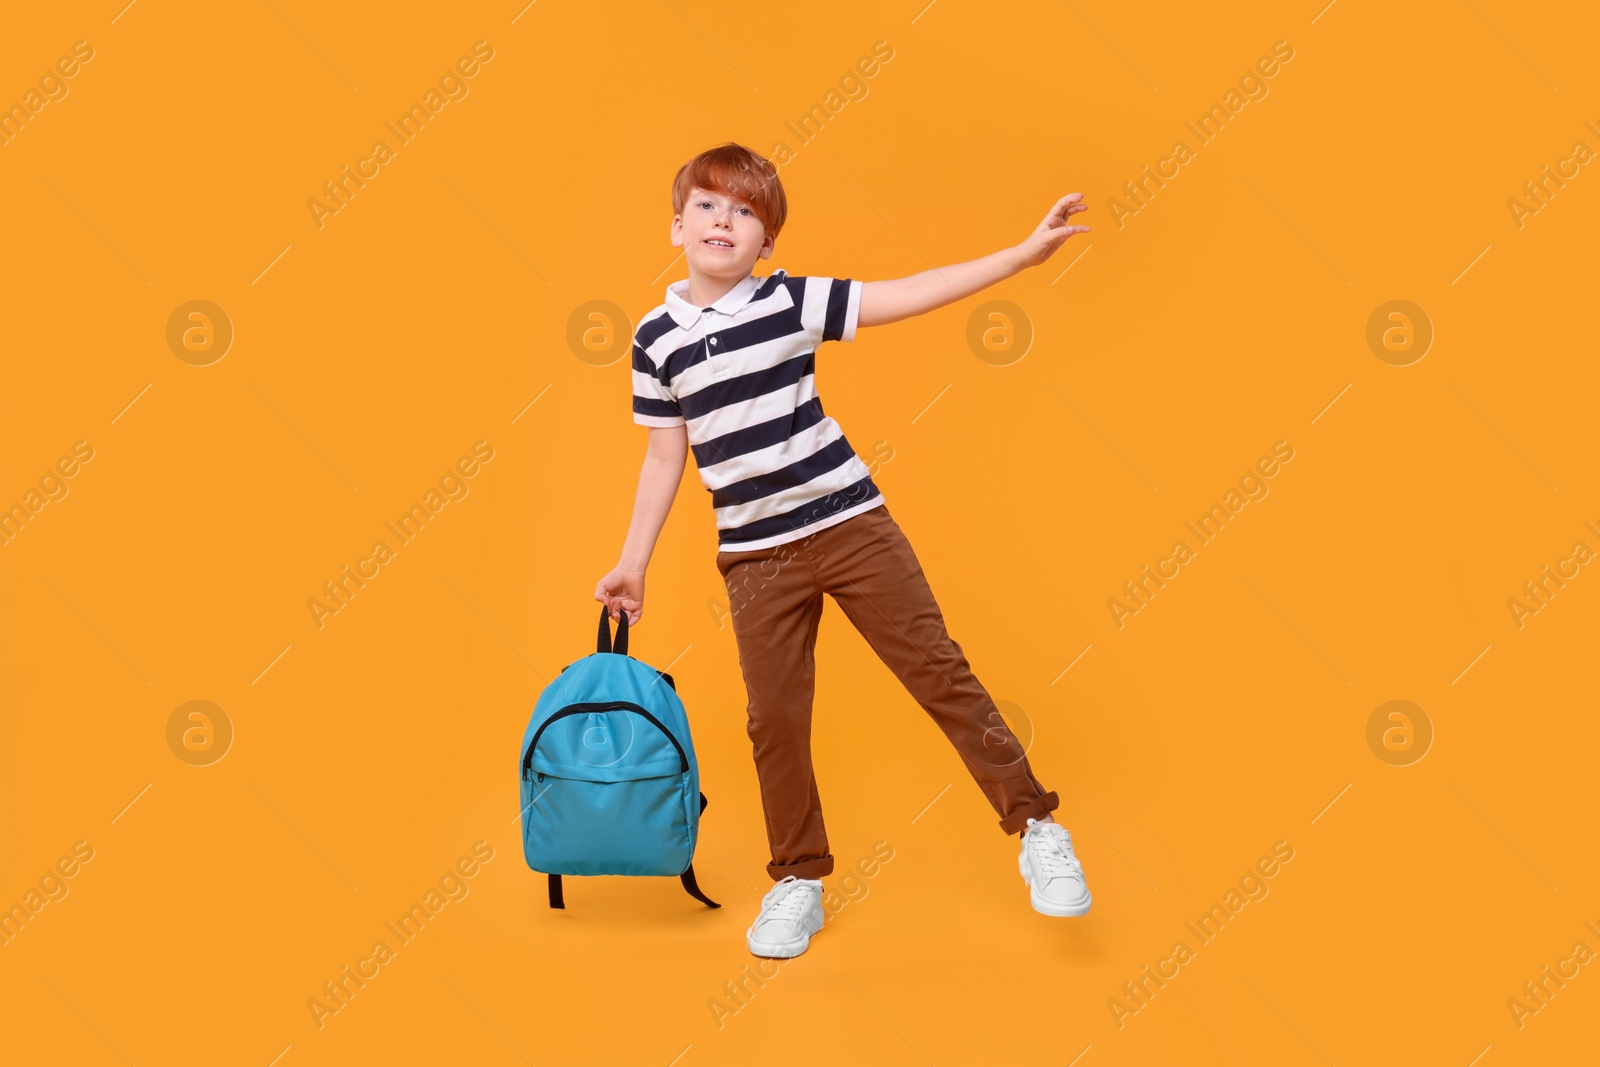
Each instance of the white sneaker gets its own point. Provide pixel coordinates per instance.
(1053, 873)
(790, 913)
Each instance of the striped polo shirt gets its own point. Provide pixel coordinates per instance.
(741, 375)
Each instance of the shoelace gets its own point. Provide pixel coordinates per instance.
(786, 901)
(1053, 848)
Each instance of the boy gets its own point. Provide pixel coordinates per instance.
(726, 366)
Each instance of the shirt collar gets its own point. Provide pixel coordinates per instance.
(686, 314)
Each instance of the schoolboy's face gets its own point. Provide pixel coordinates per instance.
(721, 236)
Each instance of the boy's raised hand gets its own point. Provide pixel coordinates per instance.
(1053, 232)
(621, 591)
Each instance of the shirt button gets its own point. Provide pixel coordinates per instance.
(713, 340)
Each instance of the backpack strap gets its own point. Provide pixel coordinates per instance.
(604, 642)
(687, 877)
(693, 888)
(556, 900)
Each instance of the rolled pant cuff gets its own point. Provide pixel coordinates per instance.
(1017, 821)
(816, 868)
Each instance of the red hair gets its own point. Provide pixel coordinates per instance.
(736, 171)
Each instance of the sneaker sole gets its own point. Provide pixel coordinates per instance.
(1051, 907)
(778, 950)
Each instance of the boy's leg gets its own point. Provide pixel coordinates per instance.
(776, 605)
(869, 568)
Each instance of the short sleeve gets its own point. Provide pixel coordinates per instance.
(653, 402)
(831, 308)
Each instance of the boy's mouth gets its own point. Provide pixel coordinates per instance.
(717, 242)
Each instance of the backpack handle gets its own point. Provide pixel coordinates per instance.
(604, 642)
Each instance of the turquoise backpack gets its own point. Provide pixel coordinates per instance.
(609, 780)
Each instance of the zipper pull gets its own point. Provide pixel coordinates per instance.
(541, 776)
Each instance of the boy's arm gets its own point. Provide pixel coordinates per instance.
(654, 406)
(658, 482)
(659, 478)
(622, 590)
(890, 301)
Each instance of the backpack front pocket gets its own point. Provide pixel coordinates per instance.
(629, 826)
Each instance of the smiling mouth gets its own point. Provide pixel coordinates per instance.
(714, 244)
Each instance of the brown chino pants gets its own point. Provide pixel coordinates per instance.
(866, 564)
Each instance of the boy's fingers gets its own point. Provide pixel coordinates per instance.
(1070, 203)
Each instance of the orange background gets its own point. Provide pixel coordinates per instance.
(1231, 713)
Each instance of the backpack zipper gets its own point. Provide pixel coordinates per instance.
(608, 705)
